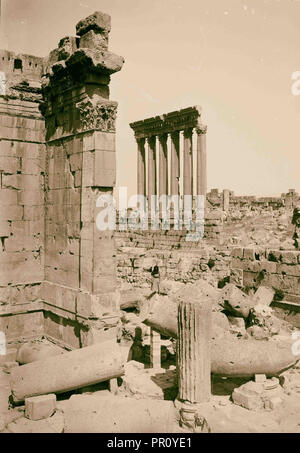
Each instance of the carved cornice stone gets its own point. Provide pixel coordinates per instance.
(168, 123)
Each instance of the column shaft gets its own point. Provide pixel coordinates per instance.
(151, 167)
(141, 167)
(201, 161)
(188, 162)
(163, 164)
(193, 351)
(175, 163)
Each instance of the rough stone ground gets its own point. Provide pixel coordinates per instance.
(140, 382)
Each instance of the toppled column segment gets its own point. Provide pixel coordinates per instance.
(229, 356)
(75, 369)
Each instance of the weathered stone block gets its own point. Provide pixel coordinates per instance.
(93, 40)
(40, 407)
(274, 403)
(66, 47)
(236, 277)
(105, 141)
(249, 253)
(287, 269)
(249, 396)
(8, 197)
(99, 22)
(289, 257)
(264, 295)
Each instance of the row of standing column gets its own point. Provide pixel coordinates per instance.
(175, 164)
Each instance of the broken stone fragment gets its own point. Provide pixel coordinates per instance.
(264, 295)
(99, 22)
(200, 291)
(39, 407)
(132, 297)
(235, 301)
(273, 403)
(92, 40)
(237, 325)
(262, 322)
(92, 60)
(249, 396)
(66, 47)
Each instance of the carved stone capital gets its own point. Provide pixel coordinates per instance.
(141, 142)
(201, 129)
(99, 115)
(175, 135)
(163, 138)
(151, 141)
(188, 132)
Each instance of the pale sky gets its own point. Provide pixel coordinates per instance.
(234, 58)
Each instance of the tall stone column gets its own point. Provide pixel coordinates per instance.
(201, 160)
(151, 167)
(193, 351)
(163, 164)
(141, 167)
(175, 163)
(188, 162)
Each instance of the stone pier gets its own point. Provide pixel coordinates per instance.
(57, 157)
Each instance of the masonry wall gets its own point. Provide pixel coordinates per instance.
(22, 172)
(279, 269)
(177, 258)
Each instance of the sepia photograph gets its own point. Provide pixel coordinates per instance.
(149, 219)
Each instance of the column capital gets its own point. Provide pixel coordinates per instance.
(151, 139)
(163, 137)
(188, 132)
(140, 140)
(201, 129)
(174, 134)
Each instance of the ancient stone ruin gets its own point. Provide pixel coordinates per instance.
(132, 330)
